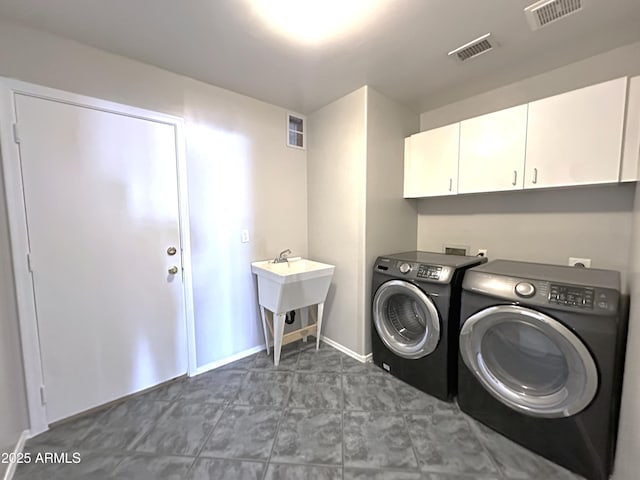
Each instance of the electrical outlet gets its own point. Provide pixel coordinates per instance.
(482, 252)
(245, 236)
(579, 262)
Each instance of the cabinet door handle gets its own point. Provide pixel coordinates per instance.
(535, 176)
(450, 184)
(515, 178)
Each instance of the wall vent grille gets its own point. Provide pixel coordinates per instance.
(472, 49)
(544, 12)
(296, 131)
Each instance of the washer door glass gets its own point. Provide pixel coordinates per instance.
(406, 319)
(529, 361)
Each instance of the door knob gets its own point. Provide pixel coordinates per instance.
(171, 251)
(173, 270)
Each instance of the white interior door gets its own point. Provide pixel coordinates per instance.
(101, 197)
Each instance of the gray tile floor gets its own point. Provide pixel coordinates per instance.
(319, 415)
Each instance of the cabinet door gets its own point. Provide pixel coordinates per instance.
(431, 162)
(629, 172)
(492, 151)
(576, 138)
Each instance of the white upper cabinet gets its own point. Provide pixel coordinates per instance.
(431, 162)
(583, 137)
(576, 138)
(631, 149)
(492, 151)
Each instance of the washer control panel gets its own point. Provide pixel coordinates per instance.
(575, 296)
(430, 272)
(415, 271)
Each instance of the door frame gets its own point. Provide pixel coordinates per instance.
(18, 230)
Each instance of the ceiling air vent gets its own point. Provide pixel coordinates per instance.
(544, 12)
(472, 49)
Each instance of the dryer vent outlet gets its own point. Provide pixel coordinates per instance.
(455, 249)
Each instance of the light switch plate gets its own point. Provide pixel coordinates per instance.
(245, 236)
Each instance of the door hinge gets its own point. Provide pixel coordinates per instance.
(43, 397)
(29, 262)
(16, 134)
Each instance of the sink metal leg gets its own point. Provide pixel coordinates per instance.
(278, 332)
(319, 323)
(304, 320)
(264, 327)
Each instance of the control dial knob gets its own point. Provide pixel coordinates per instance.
(525, 289)
(405, 268)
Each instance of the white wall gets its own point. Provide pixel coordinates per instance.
(336, 173)
(391, 224)
(241, 175)
(547, 226)
(48, 60)
(356, 210)
(627, 464)
(13, 410)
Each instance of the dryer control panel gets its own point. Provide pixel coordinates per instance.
(561, 296)
(570, 295)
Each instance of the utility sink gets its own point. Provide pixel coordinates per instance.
(293, 284)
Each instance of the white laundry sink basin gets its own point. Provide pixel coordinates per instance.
(291, 285)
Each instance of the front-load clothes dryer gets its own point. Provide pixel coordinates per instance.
(541, 358)
(415, 308)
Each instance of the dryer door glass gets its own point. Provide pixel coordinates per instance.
(529, 361)
(524, 358)
(406, 319)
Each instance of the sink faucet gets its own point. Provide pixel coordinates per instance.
(282, 256)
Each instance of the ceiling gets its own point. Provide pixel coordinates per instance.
(401, 51)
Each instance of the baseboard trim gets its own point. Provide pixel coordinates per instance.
(347, 351)
(225, 361)
(245, 353)
(11, 467)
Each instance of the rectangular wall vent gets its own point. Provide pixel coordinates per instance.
(455, 249)
(544, 12)
(296, 131)
(472, 49)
